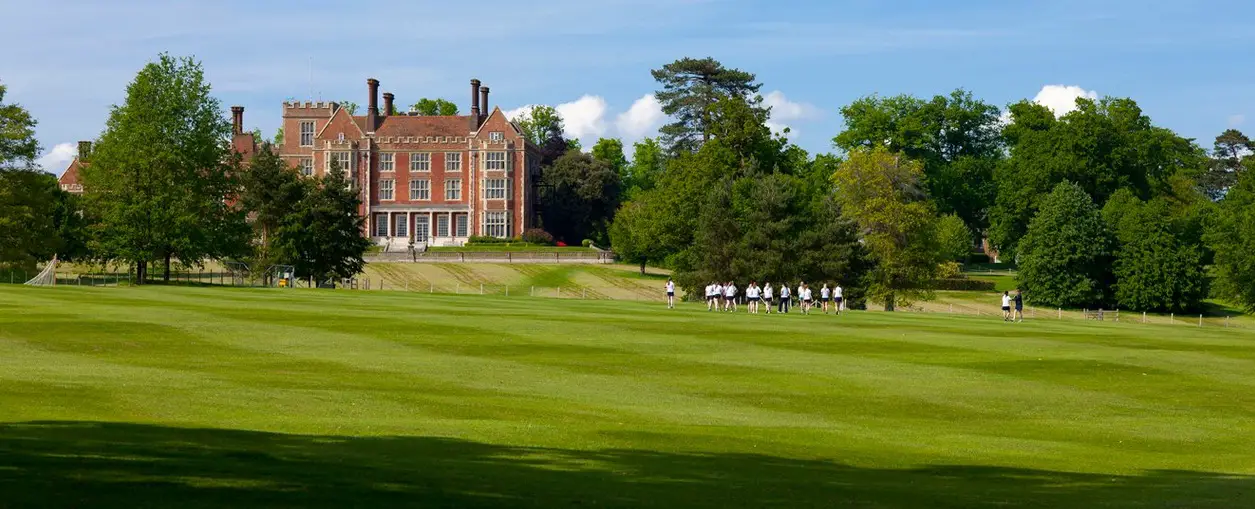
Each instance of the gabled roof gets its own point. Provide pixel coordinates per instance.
(361, 131)
(496, 110)
(70, 176)
(419, 125)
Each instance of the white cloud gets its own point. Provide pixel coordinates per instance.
(58, 158)
(1061, 99)
(641, 120)
(515, 113)
(785, 113)
(584, 118)
(784, 110)
(1236, 121)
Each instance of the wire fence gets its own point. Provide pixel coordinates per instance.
(637, 292)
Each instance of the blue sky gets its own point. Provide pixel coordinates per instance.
(1191, 65)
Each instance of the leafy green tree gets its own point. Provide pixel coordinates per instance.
(882, 192)
(28, 204)
(1155, 268)
(1065, 257)
(323, 237)
(270, 191)
(349, 106)
(1232, 154)
(434, 107)
(954, 238)
(18, 146)
(580, 195)
(1101, 147)
(642, 231)
(26, 194)
(648, 163)
(162, 170)
(956, 137)
(539, 124)
(278, 139)
(610, 151)
(1232, 238)
(689, 88)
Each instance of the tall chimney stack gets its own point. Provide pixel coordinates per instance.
(387, 104)
(474, 105)
(84, 149)
(372, 109)
(483, 92)
(237, 120)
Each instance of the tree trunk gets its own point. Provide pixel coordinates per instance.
(889, 304)
(642, 267)
(140, 269)
(166, 276)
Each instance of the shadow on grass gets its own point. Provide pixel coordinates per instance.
(88, 464)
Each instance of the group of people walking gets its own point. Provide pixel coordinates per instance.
(726, 296)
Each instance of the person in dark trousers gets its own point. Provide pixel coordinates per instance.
(1019, 306)
(784, 298)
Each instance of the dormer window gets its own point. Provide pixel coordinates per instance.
(496, 136)
(340, 137)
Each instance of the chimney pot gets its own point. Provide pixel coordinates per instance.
(387, 104)
(474, 104)
(237, 120)
(372, 108)
(484, 99)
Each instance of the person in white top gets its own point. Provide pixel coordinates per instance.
(710, 296)
(1006, 306)
(838, 300)
(670, 294)
(784, 299)
(729, 295)
(768, 293)
(751, 297)
(824, 296)
(805, 295)
(798, 295)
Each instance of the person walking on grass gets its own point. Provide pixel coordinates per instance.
(752, 294)
(1019, 306)
(798, 295)
(710, 296)
(670, 294)
(825, 295)
(729, 295)
(807, 299)
(784, 299)
(1006, 306)
(838, 299)
(768, 297)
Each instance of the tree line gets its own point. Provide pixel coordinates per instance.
(1096, 207)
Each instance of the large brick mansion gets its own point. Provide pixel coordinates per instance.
(433, 179)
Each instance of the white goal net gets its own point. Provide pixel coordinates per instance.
(47, 277)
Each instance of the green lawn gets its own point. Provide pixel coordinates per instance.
(212, 397)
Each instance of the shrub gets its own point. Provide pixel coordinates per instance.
(587, 243)
(965, 285)
(538, 236)
(481, 240)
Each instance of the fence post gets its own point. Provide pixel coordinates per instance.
(481, 288)
(559, 292)
(1117, 314)
(585, 295)
(1060, 313)
(1143, 317)
(1200, 320)
(1172, 318)
(407, 285)
(532, 292)
(1226, 322)
(457, 290)
(507, 290)
(952, 309)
